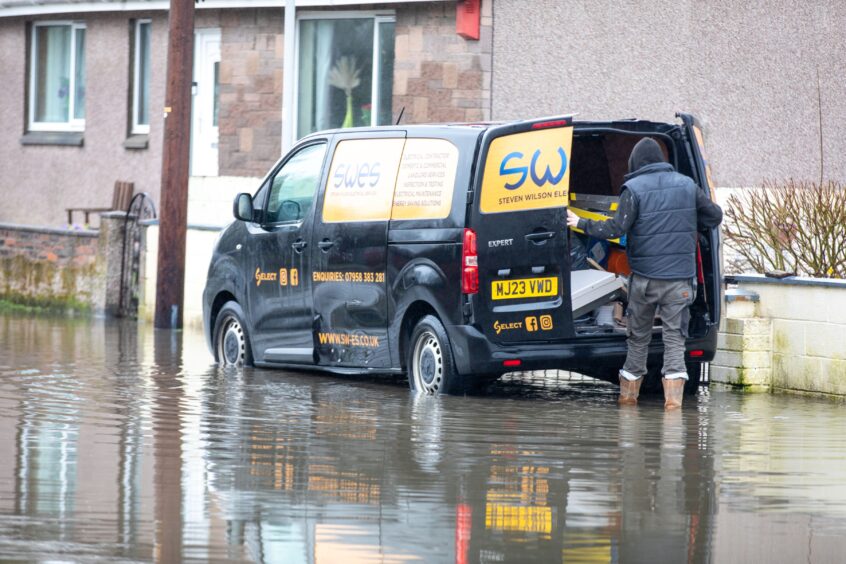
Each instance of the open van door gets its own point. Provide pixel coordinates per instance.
(710, 275)
(519, 216)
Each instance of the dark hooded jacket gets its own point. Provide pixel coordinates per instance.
(659, 211)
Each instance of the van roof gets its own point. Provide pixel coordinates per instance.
(628, 123)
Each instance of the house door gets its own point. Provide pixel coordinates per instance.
(205, 103)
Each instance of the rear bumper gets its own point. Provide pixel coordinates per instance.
(474, 353)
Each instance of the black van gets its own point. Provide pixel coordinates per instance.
(442, 251)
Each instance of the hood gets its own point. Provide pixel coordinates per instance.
(646, 152)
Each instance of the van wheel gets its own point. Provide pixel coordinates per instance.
(429, 363)
(231, 339)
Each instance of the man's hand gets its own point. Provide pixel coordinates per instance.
(572, 219)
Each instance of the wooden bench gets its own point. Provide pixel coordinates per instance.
(121, 198)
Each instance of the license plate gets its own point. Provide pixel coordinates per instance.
(524, 288)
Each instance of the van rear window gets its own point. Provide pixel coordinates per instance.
(527, 171)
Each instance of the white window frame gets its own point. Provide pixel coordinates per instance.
(72, 124)
(139, 128)
(378, 16)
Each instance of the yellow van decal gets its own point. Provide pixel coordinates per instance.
(426, 180)
(361, 180)
(264, 276)
(336, 276)
(349, 340)
(527, 171)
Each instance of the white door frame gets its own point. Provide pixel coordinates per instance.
(204, 132)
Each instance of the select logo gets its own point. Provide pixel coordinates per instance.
(500, 327)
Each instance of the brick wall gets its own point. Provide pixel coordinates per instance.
(250, 114)
(438, 75)
(50, 267)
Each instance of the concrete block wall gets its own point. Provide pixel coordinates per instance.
(808, 326)
(744, 347)
(792, 339)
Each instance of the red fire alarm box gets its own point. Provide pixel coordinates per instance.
(468, 15)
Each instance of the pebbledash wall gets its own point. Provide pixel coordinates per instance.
(38, 182)
(438, 76)
(748, 70)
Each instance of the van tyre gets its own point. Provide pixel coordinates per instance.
(429, 362)
(230, 337)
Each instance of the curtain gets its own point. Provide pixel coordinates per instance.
(52, 72)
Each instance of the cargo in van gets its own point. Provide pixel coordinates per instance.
(442, 252)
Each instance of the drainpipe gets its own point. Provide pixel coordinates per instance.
(288, 64)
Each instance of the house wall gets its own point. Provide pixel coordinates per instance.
(37, 183)
(250, 114)
(748, 70)
(438, 75)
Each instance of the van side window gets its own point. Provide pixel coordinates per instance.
(293, 187)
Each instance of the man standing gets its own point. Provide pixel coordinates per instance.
(660, 211)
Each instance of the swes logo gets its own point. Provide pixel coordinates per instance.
(357, 175)
(513, 164)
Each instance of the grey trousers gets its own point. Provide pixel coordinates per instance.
(672, 299)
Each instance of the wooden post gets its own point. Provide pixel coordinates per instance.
(170, 279)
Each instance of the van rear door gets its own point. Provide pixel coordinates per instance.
(710, 255)
(520, 219)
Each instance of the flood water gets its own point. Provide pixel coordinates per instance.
(121, 443)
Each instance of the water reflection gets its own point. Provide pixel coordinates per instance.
(123, 443)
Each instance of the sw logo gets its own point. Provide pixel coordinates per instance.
(506, 168)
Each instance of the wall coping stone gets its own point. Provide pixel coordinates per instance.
(193, 226)
(91, 233)
(789, 281)
(741, 295)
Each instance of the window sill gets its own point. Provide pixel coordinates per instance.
(64, 138)
(137, 141)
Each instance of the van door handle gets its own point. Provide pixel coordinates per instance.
(538, 237)
(326, 244)
(299, 245)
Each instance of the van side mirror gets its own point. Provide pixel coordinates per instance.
(243, 207)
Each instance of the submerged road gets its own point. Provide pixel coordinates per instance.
(120, 443)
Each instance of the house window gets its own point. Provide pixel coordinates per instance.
(57, 77)
(345, 73)
(141, 78)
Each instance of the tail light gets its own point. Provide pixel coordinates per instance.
(469, 264)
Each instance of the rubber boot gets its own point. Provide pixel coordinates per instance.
(629, 390)
(673, 392)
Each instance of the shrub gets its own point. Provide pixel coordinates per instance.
(791, 226)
